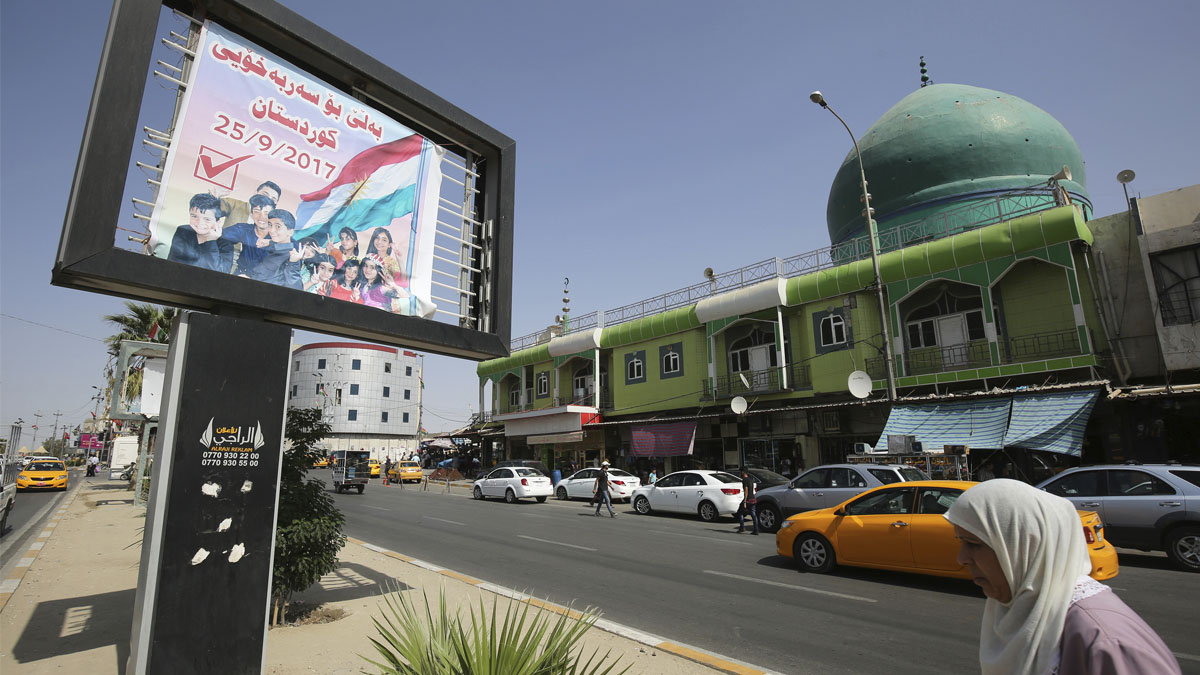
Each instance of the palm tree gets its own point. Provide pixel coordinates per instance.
(142, 322)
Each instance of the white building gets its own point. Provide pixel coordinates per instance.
(371, 394)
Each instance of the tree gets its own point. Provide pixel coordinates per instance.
(309, 534)
(144, 323)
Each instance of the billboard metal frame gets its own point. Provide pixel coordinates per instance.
(88, 259)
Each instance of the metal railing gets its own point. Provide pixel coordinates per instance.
(876, 367)
(971, 216)
(1041, 346)
(800, 376)
(925, 360)
(1179, 306)
(727, 386)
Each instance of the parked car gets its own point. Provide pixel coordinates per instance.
(825, 486)
(41, 474)
(1152, 507)
(376, 468)
(765, 478)
(513, 483)
(579, 484)
(900, 527)
(709, 494)
(530, 463)
(405, 471)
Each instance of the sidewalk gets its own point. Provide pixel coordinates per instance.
(73, 609)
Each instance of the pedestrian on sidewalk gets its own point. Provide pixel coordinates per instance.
(653, 476)
(749, 503)
(1044, 613)
(387, 470)
(600, 491)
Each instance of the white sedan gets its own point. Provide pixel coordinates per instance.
(579, 484)
(710, 494)
(513, 483)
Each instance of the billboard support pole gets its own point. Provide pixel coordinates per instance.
(214, 497)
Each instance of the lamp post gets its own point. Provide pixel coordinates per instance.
(817, 98)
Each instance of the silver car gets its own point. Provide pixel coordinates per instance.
(1152, 507)
(826, 486)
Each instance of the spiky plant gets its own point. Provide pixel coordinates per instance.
(518, 640)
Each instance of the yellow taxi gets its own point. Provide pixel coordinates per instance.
(405, 471)
(376, 468)
(321, 463)
(43, 474)
(900, 527)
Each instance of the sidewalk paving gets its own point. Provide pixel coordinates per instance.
(73, 609)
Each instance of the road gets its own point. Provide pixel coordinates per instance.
(704, 585)
(31, 509)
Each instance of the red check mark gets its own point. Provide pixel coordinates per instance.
(214, 171)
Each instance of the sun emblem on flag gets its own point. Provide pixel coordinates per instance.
(361, 190)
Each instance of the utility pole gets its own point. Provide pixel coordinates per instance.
(37, 416)
(54, 433)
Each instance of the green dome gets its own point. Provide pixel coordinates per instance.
(945, 145)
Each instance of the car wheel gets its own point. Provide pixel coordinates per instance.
(708, 512)
(510, 496)
(541, 500)
(769, 518)
(642, 506)
(478, 493)
(813, 553)
(361, 488)
(561, 494)
(1183, 547)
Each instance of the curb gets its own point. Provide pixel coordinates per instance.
(9, 586)
(704, 657)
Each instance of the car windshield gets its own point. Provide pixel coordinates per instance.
(408, 464)
(526, 471)
(725, 477)
(46, 466)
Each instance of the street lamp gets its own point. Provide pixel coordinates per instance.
(817, 98)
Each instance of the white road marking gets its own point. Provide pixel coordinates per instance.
(443, 520)
(791, 586)
(557, 543)
(696, 536)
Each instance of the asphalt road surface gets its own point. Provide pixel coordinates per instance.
(31, 509)
(704, 585)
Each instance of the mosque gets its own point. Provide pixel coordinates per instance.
(1024, 331)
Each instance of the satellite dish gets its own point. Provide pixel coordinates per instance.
(1126, 176)
(738, 405)
(745, 382)
(859, 384)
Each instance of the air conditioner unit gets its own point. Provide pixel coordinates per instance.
(900, 444)
(867, 449)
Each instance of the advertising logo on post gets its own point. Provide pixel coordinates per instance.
(278, 177)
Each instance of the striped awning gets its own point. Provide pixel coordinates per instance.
(664, 440)
(1052, 421)
(978, 424)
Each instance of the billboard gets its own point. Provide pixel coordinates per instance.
(355, 160)
(281, 178)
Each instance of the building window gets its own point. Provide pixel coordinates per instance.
(635, 367)
(337, 396)
(670, 363)
(514, 395)
(320, 364)
(351, 415)
(295, 388)
(384, 416)
(833, 331)
(387, 392)
(319, 386)
(543, 385)
(1177, 282)
(921, 334)
(754, 351)
(297, 365)
(408, 370)
(405, 419)
(354, 390)
(407, 394)
(356, 364)
(387, 366)
(670, 360)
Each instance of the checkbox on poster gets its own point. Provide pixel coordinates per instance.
(218, 168)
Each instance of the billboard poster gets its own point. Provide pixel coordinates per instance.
(277, 177)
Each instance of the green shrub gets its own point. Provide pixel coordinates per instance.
(440, 642)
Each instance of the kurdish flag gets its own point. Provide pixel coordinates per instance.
(377, 187)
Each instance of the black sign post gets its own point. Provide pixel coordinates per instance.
(205, 578)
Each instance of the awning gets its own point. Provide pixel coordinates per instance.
(664, 440)
(1051, 421)
(979, 424)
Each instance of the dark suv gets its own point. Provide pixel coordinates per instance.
(531, 463)
(1152, 507)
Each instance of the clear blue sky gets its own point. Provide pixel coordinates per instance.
(654, 139)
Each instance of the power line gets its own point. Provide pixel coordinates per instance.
(61, 330)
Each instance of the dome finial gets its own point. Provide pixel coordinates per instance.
(925, 81)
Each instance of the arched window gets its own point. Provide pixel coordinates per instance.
(543, 384)
(514, 394)
(740, 348)
(635, 369)
(833, 330)
(670, 363)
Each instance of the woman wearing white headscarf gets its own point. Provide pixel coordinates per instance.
(1025, 549)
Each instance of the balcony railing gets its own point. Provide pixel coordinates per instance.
(603, 403)
(876, 367)
(800, 376)
(1041, 346)
(925, 360)
(967, 217)
(1179, 306)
